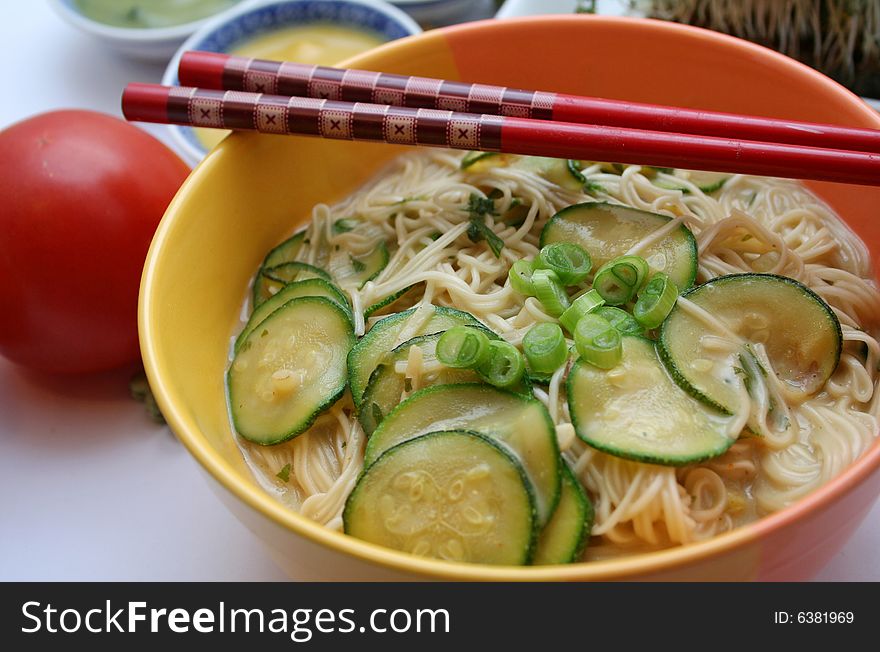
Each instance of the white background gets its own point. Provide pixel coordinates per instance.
(89, 487)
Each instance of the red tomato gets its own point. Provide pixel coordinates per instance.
(81, 194)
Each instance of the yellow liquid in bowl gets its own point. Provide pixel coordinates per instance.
(322, 44)
(150, 14)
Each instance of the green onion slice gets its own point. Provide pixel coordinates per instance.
(550, 292)
(503, 366)
(520, 275)
(618, 280)
(655, 301)
(570, 262)
(621, 320)
(598, 342)
(462, 347)
(345, 225)
(582, 305)
(574, 169)
(545, 348)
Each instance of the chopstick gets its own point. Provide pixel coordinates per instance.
(278, 114)
(226, 72)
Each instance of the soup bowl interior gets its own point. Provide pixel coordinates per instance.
(253, 190)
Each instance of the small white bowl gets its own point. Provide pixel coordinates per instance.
(254, 18)
(153, 44)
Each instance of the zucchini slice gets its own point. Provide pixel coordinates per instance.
(608, 231)
(289, 369)
(397, 302)
(286, 252)
(563, 539)
(636, 411)
(450, 495)
(563, 172)
(521, 423)
(351, 272)
(800, 332)
(312, 287)
(383, 336)
(386, 385)
(707, 182)
(271, 279)
(477, 161)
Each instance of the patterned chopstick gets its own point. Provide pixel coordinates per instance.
(226, 72)
(276, 114)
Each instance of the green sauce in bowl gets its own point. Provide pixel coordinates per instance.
(146, 14)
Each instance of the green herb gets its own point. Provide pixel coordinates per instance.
(345, 225)
(752, 199)
(284, 473)
(479, 208)
(585, 7)
(140, 391)
(756, 360)
(593, 188)
(746, 375)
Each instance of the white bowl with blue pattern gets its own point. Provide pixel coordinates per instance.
(254, 19)
(146, 43)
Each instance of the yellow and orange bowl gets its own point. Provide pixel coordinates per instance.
(253, 189)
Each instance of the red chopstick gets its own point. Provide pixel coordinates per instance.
(408, 126)
(225, 72)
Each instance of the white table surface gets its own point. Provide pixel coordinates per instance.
(90, 489)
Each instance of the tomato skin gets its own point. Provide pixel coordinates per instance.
(81, 194)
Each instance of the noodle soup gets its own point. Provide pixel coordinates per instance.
(566, 359)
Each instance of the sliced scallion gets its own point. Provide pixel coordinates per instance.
(621, 320)
(598, 342)
(462, 347)
(582, 305)
(503, 366)
(549, 292)
(655, 301)
(544, 347)
(570, 261)
(618, 280)
(520, 275)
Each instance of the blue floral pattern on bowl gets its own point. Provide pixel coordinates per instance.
(389, 23)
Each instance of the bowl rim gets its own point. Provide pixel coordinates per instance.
(619, 568)
(216, 22)
(69, 13)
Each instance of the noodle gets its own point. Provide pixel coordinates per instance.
(751, 224)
